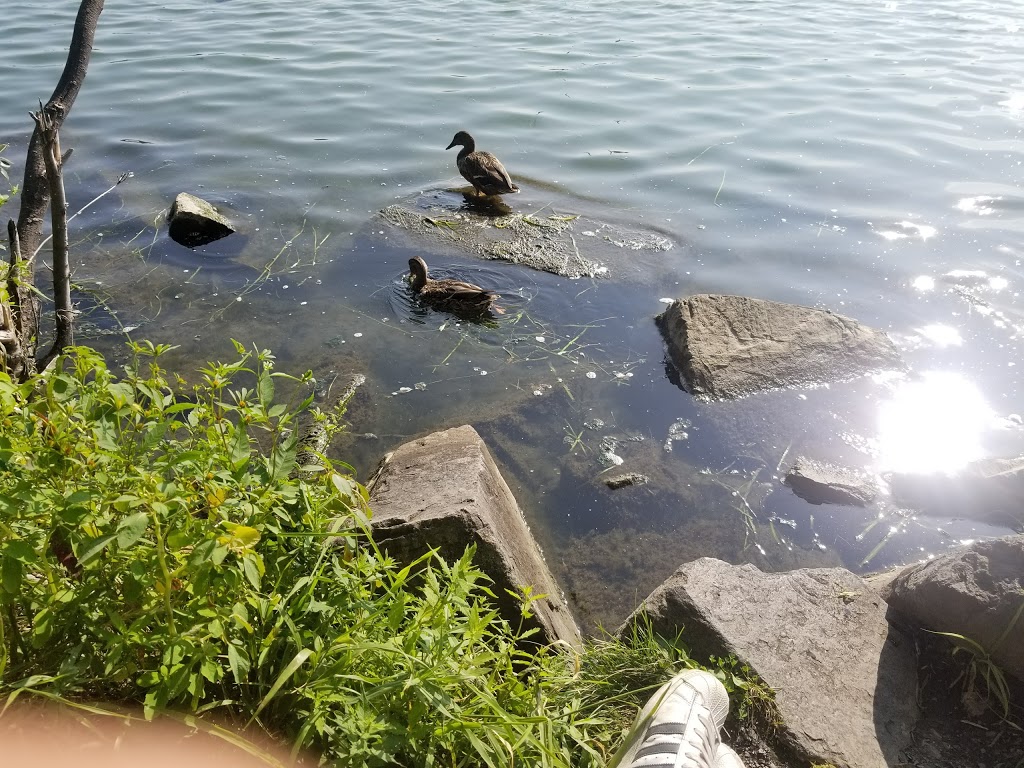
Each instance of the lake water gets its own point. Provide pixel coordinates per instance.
(864, 157)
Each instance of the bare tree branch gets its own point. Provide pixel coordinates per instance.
(35, 192)
(46, 127)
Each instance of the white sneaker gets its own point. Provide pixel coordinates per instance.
(678, 727)
(727, 758)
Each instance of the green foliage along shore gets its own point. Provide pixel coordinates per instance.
(159, 546)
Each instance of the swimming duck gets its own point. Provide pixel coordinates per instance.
(481, 169)
(453, 296)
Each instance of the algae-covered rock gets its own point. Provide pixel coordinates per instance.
(564, 244)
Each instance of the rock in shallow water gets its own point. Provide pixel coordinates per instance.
(730, 346)
(821, 483)
(193, 222)
(989, 490)
(621, 481)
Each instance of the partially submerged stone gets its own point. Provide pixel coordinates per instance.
(623, 481)
(193, 222)
(730, 346)
(845, 681)
(823, 483)
(990, 490)
(444, 491)
(976, 591)
(564, 244)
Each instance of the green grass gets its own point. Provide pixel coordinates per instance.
(160, 548)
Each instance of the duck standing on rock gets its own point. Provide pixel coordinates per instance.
(455, 296)
(481, 169)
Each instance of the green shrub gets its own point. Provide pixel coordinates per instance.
(158, 546)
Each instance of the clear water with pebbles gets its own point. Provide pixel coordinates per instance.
(864, 156)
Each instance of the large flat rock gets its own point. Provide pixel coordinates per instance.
(976, 591)
(445, 491)
(845, 680)
(569, 245)
(730, 346)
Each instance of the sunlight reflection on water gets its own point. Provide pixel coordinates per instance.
(933, 424)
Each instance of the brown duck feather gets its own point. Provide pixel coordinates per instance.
(481, 169)
(455, 296)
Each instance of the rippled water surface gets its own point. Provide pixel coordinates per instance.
(863, 157)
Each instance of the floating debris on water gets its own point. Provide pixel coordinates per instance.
(594, 424)
(420, 385)
(677, 431)
(591, 375)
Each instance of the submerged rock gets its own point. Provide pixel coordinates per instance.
(730, 346)
(989, 490)
(444, 491)
(621, 481)
(845, 681)
(566, 245)
(821, 483)
(976, 591)
(194, 222)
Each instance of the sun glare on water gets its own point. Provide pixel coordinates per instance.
(932, 424)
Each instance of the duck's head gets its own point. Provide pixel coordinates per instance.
(462, 139)
(417, 272)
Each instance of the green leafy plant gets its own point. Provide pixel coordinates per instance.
(981, 667)
(159, 545)
(162, 547)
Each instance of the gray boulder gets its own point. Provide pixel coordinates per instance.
(976, 591)
(821, 483)
(193, 222)
(445, 491)
(989, 490)
(730, 346)
(845, 680)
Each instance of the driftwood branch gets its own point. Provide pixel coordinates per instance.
(35, 191)
(46, 127)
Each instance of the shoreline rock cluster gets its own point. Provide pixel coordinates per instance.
(840, 651)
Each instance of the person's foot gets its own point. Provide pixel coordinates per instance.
(678, 727)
